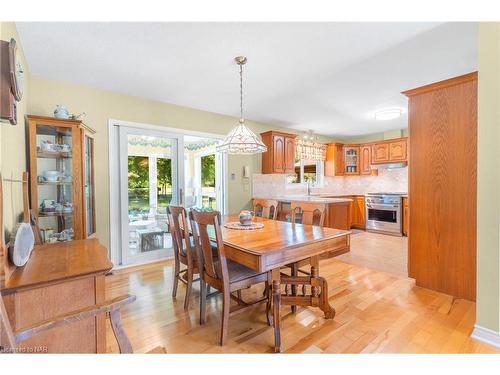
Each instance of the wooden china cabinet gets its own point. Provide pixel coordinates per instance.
(61, 171)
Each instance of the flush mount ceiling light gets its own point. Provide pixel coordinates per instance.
(241, 140)
(388, 114)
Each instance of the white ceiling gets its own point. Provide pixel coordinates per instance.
(329, 77)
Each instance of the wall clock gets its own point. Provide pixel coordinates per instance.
(16, 71)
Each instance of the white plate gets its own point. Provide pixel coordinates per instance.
(23, 244)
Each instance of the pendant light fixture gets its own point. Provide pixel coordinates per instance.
(241, 140)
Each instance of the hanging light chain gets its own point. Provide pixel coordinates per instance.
(241, 92)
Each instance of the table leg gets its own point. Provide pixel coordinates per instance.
(269, 294)
(276, 289)
(324, 305)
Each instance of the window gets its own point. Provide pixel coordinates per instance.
(307, 171)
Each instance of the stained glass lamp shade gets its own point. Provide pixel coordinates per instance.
(241, 141)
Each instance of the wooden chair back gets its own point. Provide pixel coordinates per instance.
(213, 267)
(179, 229)
(267, 208)
(310, 213)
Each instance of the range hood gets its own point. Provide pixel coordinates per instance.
(401, 164)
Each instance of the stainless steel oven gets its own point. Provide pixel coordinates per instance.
(383, 213)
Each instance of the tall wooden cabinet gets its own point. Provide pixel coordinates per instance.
(280, 155)
(60, 166)
(442, 185)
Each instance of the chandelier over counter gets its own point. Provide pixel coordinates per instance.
(241, 140)
(308, 148)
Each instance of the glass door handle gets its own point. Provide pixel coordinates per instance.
(180, 196)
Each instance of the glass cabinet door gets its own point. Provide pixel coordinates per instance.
(55, 178)
(88, 183)
(351, 160)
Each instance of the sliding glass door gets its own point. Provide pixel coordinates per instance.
(158, 168)
(203, 168)
(149, 183)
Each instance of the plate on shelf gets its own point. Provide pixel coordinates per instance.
(23, 245)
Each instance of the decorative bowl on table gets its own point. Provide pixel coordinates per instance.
(246, 217)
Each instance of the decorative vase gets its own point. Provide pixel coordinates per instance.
(246, 217)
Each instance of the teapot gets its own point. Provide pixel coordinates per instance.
(246, 217)
(61, 112)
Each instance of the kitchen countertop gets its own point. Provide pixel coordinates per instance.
(309, 198)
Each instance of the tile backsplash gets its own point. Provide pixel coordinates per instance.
(275, 185)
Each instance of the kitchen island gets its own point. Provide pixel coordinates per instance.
(337, 209)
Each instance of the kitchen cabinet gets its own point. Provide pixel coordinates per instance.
(357, 211)
(358, 217)
(392, 151)
(334, 163)
(289, 154)
(397, 150)
(365, 160)
(61, 184)
(358, 159)
(380, 153)
(406, 217)
(280, 155)
(351, 160)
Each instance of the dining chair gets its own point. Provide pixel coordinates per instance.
(217, 271)
(310, 214)
(184, 251)
(267, 208)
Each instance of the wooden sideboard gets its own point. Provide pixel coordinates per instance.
(60, 278)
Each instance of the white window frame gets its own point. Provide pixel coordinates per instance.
(320, 175)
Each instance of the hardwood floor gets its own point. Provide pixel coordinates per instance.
(377, 312)
(379, 252)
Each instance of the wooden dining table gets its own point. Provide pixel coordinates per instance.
(278, 244)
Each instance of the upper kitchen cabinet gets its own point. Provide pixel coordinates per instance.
(365, 160)
(334, 164)
(397, 150)
(392, 151)
(351, 160)
(280, 155)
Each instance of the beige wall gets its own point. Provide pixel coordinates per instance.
(488, 194)
(101, 105)
(390, 134)
(12, 143)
